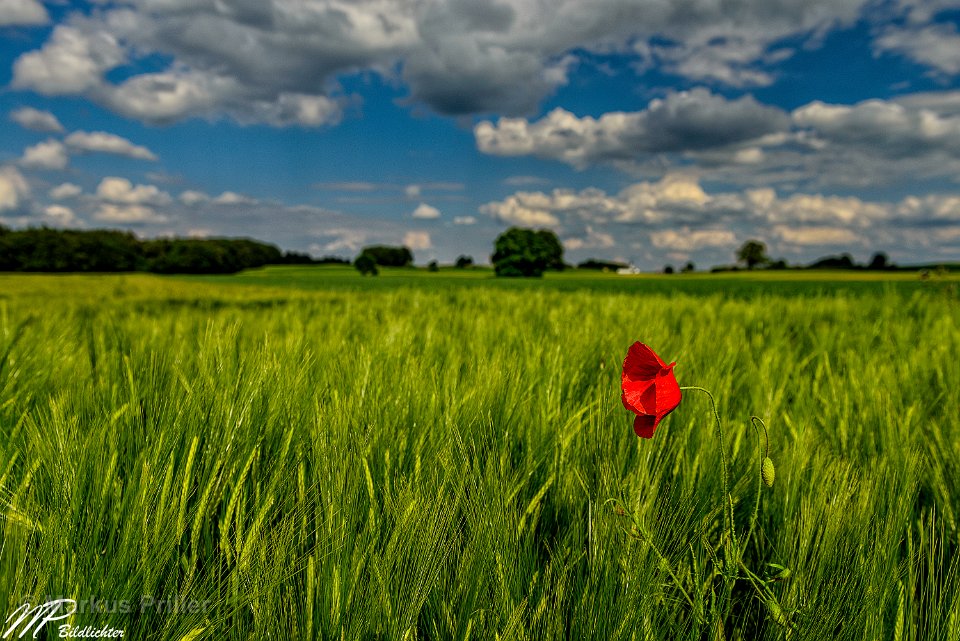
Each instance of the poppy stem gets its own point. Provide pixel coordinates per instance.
(664, 562)
(727, 498)
(766, 437)
(766, 452)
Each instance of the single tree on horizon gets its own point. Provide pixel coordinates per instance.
(753, 253)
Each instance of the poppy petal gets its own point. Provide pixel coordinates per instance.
(668, 393)
(641, 362)
(640, 397)
(644, 425)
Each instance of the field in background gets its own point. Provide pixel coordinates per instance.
(315, 455)
(731, 283)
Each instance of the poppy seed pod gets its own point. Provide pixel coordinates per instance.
(768, 472)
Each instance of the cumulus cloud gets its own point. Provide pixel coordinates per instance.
(464, 220)
(72, 61)
(417, 240)
(807, 208)
(426, 211)
(818, 236)
(233, 198)
(675, 217)
(60, 215)
(37, 120)
(279, 62)
(935, 208)
(645, 202)
(169, 96)
(50, 154)
(528, 209)
(894, 129)
(107, 143)
(340, 239)
(65, 191)
(685, 121)
(121, 202)
(742, 141)
(128, 214)
(592, 239)
(14, 189)
(934, 45)
(22, 13)
(192, 197)
(687, 240)
(121, 191)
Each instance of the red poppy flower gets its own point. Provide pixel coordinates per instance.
(650, 389)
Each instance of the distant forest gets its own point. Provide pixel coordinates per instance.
(43, 249)
(67, 250)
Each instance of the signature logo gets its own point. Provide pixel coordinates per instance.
(29, 619)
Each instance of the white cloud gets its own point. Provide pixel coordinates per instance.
(945, 104)
(37, 120)
(890, 128)
(50, 154)
(686, 121)
(807, 208)
(14, 189)
(933, 45)
(932, 207)
(676, 216)
(342, 239)
(898, 141)
(166, 97)
(687, 240)
(644, 202)
(103, 142)
(417, 240)
(300, 109)
(121, 191)
(60, 215)
(592, 239)
(426, 211)
(65, 191)
(279, 63)
(464, 220)
(192, 197)
(128, 214)
(730, 61)
(72, 61)
(529, 209)
(233, 198)
(817, 236)
(22, 13)
(169, 96)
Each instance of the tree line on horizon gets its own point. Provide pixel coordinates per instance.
(518, 252)
(522, 252)
(43, 249)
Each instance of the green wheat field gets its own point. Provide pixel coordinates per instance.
(302, 453)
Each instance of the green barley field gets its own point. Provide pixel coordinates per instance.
(300, 453)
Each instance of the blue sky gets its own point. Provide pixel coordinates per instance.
(648, 131)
